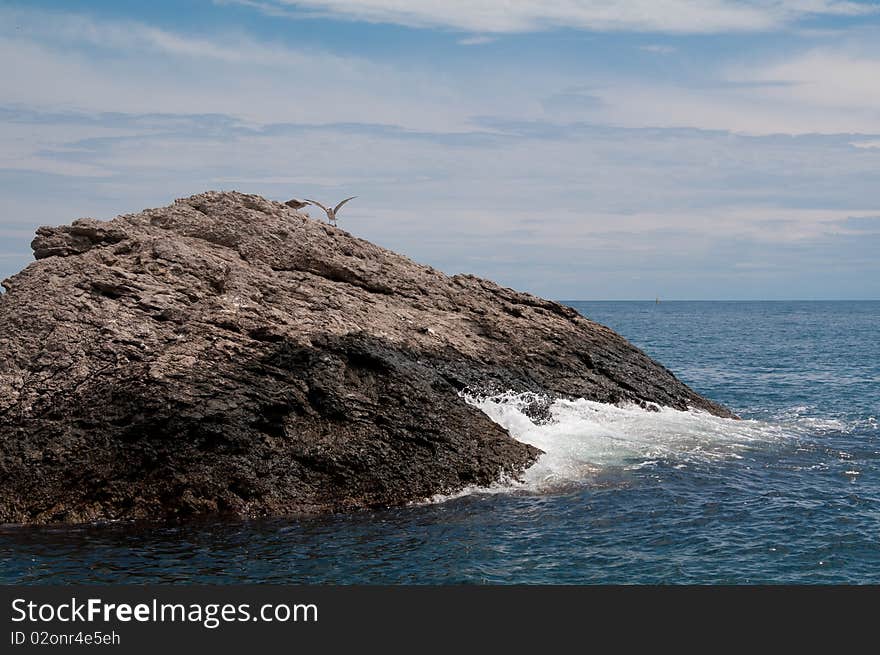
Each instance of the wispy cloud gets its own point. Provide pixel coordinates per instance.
(21, 25)
(572, 104)
(54, 63)
(581, 169)
(269, 8)
(476, 40)
(658, 49)
(825, 77)
(825, 90)
(140, 68)
(502, 16)
(554, 204)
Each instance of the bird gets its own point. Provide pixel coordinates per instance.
(296, 204)
(331, 212)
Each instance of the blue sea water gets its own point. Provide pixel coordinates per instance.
(789, 495)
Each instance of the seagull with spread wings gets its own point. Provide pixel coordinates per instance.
(330, 211)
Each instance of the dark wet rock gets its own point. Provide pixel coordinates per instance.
(229, 354)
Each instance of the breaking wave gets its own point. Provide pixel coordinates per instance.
(581, 438)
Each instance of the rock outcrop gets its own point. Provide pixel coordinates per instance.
(228, 354)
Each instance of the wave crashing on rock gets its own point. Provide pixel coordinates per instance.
(228, 354)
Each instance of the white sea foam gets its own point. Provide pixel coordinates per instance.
(582, 438)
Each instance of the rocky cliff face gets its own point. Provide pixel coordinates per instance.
(228, 354)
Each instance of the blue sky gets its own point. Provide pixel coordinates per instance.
(577, 149)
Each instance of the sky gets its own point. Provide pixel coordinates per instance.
(577, 149)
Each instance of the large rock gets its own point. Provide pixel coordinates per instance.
(229, 354)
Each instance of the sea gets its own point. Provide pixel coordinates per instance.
(788, 494)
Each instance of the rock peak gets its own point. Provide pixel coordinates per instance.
(227, 353)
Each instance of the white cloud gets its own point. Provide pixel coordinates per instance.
(545, 185)
(136, 37)
(823, 78)
(545, 207)
(827, 91)
(261, 83)
(26, 147)
(476, 40)
(658, 49)
(146, 69)
(753, 110)
(506, 16)
(265, 7)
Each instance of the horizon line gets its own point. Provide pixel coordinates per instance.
(661, 301)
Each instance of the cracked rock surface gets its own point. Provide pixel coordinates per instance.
(229, 354)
